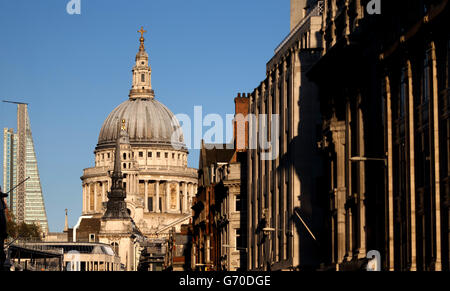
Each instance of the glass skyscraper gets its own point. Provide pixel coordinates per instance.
(9, 165)
(19, 162)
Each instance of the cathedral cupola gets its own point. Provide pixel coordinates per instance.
(142, 73)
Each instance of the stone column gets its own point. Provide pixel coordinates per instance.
(362, 183)
(167, 196)
(178, 198)
(103, 192)
(185, 198)
(412, 172)
(437, 183)
(348, 182)
(338, 130)
(294, 117)
(89, 197)
(390, 175)
(146, 196)
(156, 206)
(95, 197)
(84, 198)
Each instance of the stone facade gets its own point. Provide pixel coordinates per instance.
(383, 82)
(281, 189)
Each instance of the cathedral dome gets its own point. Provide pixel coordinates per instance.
(148, 122)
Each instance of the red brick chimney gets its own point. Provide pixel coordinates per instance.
(240, 122)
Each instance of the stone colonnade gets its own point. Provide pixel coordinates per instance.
(154, 194)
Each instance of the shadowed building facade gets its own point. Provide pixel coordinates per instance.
(284, 212)
(383, 83)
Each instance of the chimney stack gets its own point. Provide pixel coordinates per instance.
(66, 222)
(240, 133)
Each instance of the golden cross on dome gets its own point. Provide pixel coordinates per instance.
(142, 31)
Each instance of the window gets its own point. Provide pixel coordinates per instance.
(109, 155)
(103, 156)
(238, 204)
(403, 92)
(238, 238)
(173, 156)
(150, 154)
(166, 155)
(426, 80)
(158, 155)
(124, 156)
(141, 154)
(142, 78)
(92, 237)
(178, 156)
(115, 247)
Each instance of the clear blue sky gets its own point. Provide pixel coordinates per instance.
(75, 69)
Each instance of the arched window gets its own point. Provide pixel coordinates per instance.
(115, 247)
(124, 156)
(142, 78)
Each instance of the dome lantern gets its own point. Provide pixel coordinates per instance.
(142, 73)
